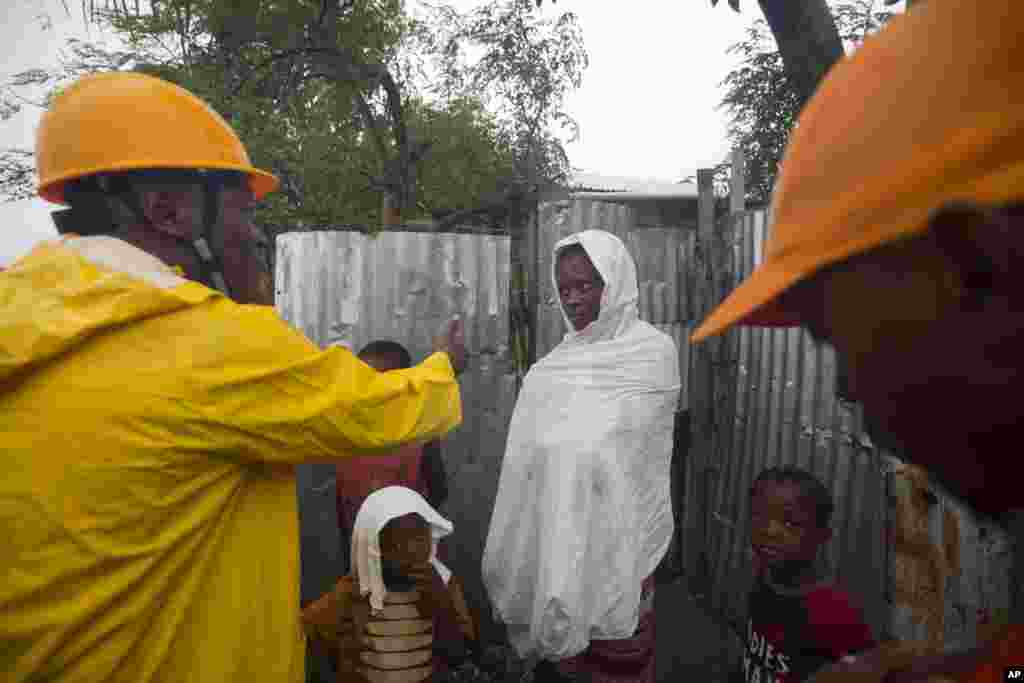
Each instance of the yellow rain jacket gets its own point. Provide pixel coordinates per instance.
(148, 432)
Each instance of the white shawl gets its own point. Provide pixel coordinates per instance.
(583, 512)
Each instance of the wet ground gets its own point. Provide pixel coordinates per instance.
(691, 645)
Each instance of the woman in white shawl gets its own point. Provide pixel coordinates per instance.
(583, 513)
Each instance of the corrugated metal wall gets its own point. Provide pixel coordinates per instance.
(342, 287)
(975, 557)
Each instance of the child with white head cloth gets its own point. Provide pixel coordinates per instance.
(401, 614)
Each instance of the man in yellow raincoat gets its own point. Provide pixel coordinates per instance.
(150, 425)
(898, 237)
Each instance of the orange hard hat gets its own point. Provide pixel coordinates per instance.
(928, 111)
(122, 121)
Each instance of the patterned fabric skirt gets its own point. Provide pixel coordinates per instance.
(630, 660)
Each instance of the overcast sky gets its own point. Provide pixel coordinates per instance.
(647, 108)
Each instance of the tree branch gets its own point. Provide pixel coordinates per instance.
(807, 38)
(371, 123)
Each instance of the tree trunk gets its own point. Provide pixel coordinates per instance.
(807, 38)
(391, 213)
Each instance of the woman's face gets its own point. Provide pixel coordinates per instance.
(579, 288)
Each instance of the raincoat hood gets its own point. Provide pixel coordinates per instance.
(619, 299)
(65, 292)
(379, 508)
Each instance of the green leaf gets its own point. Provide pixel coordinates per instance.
(761, 104)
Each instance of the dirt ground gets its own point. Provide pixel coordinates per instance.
(691, 645)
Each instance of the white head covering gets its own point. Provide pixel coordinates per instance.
(379, 508)
(619, 299)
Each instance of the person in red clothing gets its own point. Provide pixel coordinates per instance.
(797, 620)
(415, 466)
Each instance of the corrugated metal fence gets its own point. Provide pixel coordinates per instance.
(344, 287)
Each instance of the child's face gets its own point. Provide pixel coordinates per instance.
(783, 524)
(405, 542)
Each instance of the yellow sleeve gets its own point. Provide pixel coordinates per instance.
(272, 395)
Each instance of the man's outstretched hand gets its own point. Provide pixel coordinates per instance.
(453, 342)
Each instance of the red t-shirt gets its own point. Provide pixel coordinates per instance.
(358, 477)
(790, 635)
(1008, 651)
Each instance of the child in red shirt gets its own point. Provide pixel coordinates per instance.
(418, 467)
(797, 622)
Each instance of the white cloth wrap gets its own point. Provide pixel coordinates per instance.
(583, 513)
(379, 508)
